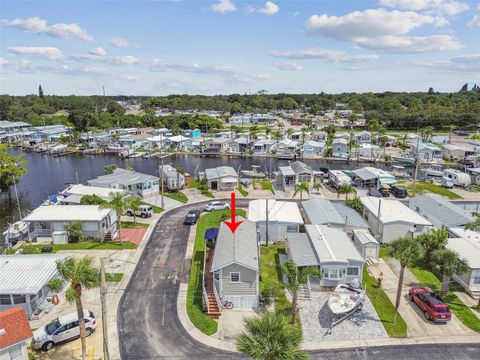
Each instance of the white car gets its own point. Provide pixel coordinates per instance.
(144, 211)
(62, 329)
(217, 205)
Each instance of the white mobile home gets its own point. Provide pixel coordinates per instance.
(172, 179)
(283, 217)
(313, 149)
(338, 178)
(329, 249)
(340, 148)
(363, 137)
(221, 178)
(390, 219)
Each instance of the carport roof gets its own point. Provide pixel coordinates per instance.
(301, 250)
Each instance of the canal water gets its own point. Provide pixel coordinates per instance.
(49, 175)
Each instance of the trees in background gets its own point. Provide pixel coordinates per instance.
(11, 168)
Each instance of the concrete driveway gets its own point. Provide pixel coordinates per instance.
(417, 325)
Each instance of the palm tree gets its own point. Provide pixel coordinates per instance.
(345, 189)
(448, 263)
(433, 240)
(317, 186)
(133, 203)
(300, 188)
(474, 224)
(118, 204)
(406, 250)
(79, 274)
(295, 278)
(271, 337)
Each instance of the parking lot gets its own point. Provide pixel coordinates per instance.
(316, 318)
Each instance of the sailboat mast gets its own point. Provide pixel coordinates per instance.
(16, 196)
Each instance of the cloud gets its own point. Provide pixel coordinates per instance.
(50, 53)
(60, 30)
(270, 8)
(446, 7)
(224, 6)
(98, 51)
(330, 55)
(100, 54)
(380, 29)
(121, 43)
(475, 22)
(467, 63)
(291, 66)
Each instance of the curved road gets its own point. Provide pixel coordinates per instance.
(148, 323)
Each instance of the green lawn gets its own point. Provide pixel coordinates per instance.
(194, 184)
(383, 306)
(383, 252)
(133, 225)
(242, 191)
(83, 245)
(264, 184)
(116, 277)
(271, 283)
(179, 196)
(156, 209)
(423, 186)
(463, 312)
(194, 293)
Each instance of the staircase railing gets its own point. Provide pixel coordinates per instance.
(204, 290)
(217, 297)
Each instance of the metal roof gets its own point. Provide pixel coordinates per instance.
(123, 177)
(300, 167)
(301, 250)
(354, 219)
(286, 170)
(27, 274)
(365, 237)
(219, 172)
(240, 247)
(447, 213)
(104, 193)
(281, 211)
(468, 247)
(68, 213)
(325, 212)
(393, 211)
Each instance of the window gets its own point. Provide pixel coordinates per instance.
(353, 271)
(476, 277)
(292, 228)
(16, 352)
(19, 299)
(40, 294)
(62, 329)
(5, 300)
(234, 277)
(332, 274)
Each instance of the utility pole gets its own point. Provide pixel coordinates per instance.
(266, 222)
(417, 163)
(103, 294)
(162, 186)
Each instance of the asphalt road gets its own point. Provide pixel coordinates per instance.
(148, 323)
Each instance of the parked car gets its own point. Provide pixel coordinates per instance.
(385, 190)
(447, 183)
(192, 217)
(217, 205)
(143, 211)
(432, 306)
(62, 329)
(398, 191)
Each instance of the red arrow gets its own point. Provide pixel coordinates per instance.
(233, 225)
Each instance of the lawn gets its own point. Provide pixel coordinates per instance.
(133, 225)
(271, 284)
(179, 196)
(194, 184)
(264, 184)
(242, 191)
(115, 277)
(156, 209)
(83, 245)
(383, 252)
(194, 293)
(423, 186)
(461, 311)
(383, 306)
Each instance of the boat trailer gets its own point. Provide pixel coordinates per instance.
(337, 320)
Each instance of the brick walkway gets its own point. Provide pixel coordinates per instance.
(132, 235)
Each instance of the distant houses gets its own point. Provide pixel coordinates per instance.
(340, 148)
(289, 176)
(172, 178)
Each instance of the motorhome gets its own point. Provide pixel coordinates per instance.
(457, 177)
(339, 178)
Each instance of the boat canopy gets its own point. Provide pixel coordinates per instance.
(211, 234)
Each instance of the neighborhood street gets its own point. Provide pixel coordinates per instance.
(148, 322)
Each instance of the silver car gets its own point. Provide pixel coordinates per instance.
(217, 205)
(62, 329)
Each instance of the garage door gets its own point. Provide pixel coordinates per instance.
(371, 252)
(243, 301)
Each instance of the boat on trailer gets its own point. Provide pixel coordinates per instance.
(345, 301)
(16, 232)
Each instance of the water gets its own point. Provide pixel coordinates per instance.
(49, 175)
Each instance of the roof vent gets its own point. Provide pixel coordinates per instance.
(2, 331)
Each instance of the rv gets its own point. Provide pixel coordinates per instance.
(338, 178)
(457, 177)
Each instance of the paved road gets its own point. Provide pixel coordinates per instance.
(148, 323)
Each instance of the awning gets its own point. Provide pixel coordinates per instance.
(229, 180)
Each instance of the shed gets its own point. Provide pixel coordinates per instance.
(366, 244)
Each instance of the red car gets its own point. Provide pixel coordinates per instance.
(433, 307)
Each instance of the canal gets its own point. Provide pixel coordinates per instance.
(48, 175)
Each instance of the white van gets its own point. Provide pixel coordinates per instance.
(143, 211)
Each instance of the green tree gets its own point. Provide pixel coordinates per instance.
(426, 133)
(474, 225)
(133, 203)
(271, 337)
(433, 240)
(317, 186)
(301, 187)
(118, 204)
(355, 204)
(296, 278)
(448, 263)
(92, 200)
(40, 92)
(236, 108)
(74, 231)
(79, 274)
(109, 169)
(345, 189)
(406, 250)
(11, 168)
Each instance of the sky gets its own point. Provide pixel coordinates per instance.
(237, 46)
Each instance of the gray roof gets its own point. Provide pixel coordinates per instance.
(124, 177)
(169, 171)
(219, 172)
(240, 247)
(365, 237)
(325, 212)
(300, 167)
(301, 250)
(27, 274)
(286, 170)
(9, 124)
(365, 174)
(447, 213)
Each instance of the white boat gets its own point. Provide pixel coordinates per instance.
(16, 232)
(57, 149)
(254, 172)
(433, 170)
(345, 299)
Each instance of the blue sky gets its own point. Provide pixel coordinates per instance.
(233, 46)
